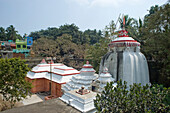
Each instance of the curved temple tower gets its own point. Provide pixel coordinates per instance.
(125, 61)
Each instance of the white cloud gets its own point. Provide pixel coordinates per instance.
(105, 3)
(82, 2)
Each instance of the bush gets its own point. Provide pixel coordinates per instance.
(13, 85)
(133, 99)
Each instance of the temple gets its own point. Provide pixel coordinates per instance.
(43, 74)
(104, 78)
(125, 61)
(85, 78)
(81, 99)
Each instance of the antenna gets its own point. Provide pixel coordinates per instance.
(117, 20)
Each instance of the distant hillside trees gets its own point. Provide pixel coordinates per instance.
(78, 37)
(64, 43)
(60, 47)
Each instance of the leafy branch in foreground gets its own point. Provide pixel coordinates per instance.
(13, 85)
(135, 99)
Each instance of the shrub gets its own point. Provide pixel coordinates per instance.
(132, 99)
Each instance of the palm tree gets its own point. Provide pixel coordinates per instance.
(126, 21)
(11, 33)
(2, 34)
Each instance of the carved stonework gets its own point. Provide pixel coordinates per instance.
(82, 91)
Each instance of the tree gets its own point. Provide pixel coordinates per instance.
(97, 51)
(11, 33)
(133, 99)
(157, 41)
(35, 35)
(109, 30)
(128, 22)
(13, 85)
(72, 30)
(2, 34)
(61, 47)
(91, 36)
(78, 37)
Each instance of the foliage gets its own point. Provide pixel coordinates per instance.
(157, 41)
(109, 30)
(13, 85)
(138, 99)
(91, 36)
(97, 51)
(78, 37)
(2, 34)
(60, 47)
(9, 34)
(131, 25)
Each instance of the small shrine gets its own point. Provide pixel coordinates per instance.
(81, 99)
(85, 78)
(82, 91)
(104, 78)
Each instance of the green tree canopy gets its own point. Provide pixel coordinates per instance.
(2, 34)
(9, 34)
(135, 99)
(62, 46)
(78, 37)
(13, 85)
(97, 51)
(157, 41)
(109, 30)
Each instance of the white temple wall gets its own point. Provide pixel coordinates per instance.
(144, 73)
(135, 68)
(132, 66)
(59, 78)
(111, 64)
(82, 103)
(128, 66)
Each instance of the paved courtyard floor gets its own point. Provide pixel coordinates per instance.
(35, 98)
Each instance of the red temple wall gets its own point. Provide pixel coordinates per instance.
(42, 84)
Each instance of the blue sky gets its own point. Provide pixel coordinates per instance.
(34, 15)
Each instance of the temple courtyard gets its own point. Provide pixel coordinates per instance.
(50, 106)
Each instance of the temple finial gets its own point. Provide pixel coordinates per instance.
(43, 61)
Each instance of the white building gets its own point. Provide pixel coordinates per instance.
(42, 75)
(81, 99)
(105, 78)
(125, 61)
(85, 78)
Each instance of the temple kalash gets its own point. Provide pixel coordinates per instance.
(123, 61)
